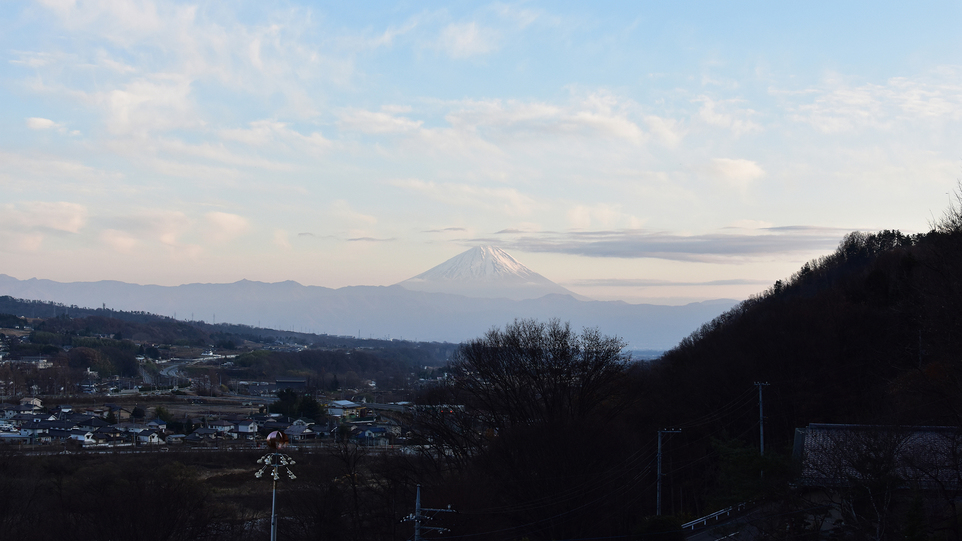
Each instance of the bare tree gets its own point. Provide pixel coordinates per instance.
(537, 373)
(527, 407)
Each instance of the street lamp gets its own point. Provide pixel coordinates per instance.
(272, 462)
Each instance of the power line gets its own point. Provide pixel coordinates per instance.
(418, 517)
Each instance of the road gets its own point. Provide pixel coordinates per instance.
(739, 528)
(172, 370)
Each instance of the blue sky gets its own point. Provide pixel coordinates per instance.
(647, 151)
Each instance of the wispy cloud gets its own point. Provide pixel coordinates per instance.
(35, 123)
(728, 114)
(44, 216)
(635, 282)
(737, 173)
(714, 247)
(24, 226)
(271, 134)
(597, 113)
(120, 241)
(224, 226)
(601, 215)
(446, 230)
(52, 171)
(461, 40)
(506, 200)
(837, 107)
(377, 122)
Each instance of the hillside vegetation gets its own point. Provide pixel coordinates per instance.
(868, 334)
(109, 341)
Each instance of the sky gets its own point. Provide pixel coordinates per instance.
(660, 152)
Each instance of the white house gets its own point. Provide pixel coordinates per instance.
(83, 436)
(149, 437)
(245, 429)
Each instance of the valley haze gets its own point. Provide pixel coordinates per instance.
(494, 290)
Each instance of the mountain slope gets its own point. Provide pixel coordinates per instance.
(486, 272)
(867, 335)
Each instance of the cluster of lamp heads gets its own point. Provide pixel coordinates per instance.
(274, 461)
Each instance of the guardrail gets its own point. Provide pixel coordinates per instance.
(703, 521)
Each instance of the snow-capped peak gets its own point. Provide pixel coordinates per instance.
(486, 263)
(484, 271)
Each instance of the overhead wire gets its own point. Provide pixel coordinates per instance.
(738, 403)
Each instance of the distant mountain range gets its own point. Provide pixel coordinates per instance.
(494, 290)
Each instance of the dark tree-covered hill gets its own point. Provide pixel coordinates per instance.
(868, 334)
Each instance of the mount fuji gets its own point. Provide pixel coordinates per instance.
(486, 272)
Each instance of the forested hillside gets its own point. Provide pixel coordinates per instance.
(108, 341)
(868, 334)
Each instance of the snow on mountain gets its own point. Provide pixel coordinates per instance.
(486, 272)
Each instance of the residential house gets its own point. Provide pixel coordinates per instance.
(35, 433)
(110, 435)
(92, 423)
(373, 435)
(245, 429)
(149, 437)
(299, 433)
(271, 426)
(203, 436)
(21, 419)
(83, 436)
(28, 409)
(221, 426)
(8, 410)
(133, 428)
(837, 454)
(120, 413)
(32, 401)
(61, 410)
(888, 466)
(58, 430)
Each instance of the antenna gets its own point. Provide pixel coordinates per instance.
(418, 516)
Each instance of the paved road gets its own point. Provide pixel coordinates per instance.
(172, 370)
(739, 528)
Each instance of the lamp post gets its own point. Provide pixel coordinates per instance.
(272, 463)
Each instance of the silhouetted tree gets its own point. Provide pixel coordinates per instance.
(526, 408)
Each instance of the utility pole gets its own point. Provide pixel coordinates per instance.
(658, 495)
(761, 417)
(418, 517)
